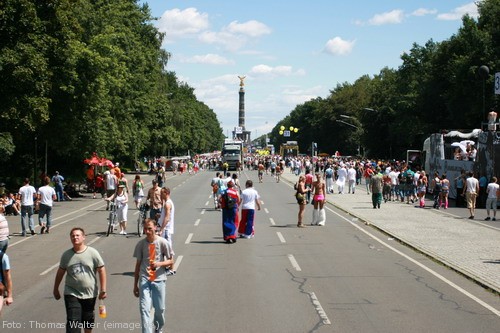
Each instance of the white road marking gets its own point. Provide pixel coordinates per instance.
(319, 309)
(202, 211)
(266, 210)
(280, 236)
(188, 239)
(177, 263)
(206, 203)
(294, 263)
(272, 221)
(49, 269)
(439, 276)
(197, 222)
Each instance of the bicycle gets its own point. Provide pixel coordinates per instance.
(112, 217)
(143, 209)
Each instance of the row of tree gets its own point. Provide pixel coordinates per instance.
(83, 76)
(438, 86)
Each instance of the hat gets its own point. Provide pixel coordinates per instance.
(117, 163)
(106, 173)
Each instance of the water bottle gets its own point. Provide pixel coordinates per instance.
(102, 311)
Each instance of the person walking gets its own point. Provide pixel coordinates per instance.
(27, 195)
(341, 178)
(5, 281)
(81, 264)
(121, 202)
(166, 220)
(110, 184)
(351, 178)
(471, 190)
(376, 187)
(45, 197)
(329, 178)
(492, 192)
(249, 200)
(153, 257)
(154, 197)
(215, 184)
(229, 203)
(58, 180)
(138, 190)
(4, 230)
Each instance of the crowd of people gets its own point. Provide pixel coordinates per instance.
(385, 181)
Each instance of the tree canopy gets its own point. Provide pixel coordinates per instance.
(90, 76)
(437, 87)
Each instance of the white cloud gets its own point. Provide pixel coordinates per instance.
(178, 23)
(251, 28)
(459, 12)
(338, 46)
(265, 70)
(424, 11)
(393, 17)
(227, 40)
(209, 59)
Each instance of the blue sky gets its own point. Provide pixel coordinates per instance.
(291, 50)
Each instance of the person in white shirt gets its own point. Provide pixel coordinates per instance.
(26, 195)
(492, 191)
(341, 178)
(45, 198)
(471, 190)
(351, 178)
(249, 200)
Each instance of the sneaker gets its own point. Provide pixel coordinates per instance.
(121, 232)
(125, 233)
(471, 217)
(32, 232)
(487, 219)
(42, 231)
(493, 219)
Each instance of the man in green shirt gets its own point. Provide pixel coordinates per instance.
(82, 264)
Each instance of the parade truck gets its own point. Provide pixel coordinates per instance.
(232, 153)
(450, 152)
(289, 148)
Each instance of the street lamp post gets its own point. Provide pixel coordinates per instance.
(351, 125)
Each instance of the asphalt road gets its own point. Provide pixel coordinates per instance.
(344, 277)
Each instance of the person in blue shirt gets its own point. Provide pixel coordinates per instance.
(5, 281)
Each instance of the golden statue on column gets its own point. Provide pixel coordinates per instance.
(241, 80)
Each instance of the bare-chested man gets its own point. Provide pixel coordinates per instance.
(319, 198)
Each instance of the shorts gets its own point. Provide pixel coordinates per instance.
(471, 199)
(319, 197)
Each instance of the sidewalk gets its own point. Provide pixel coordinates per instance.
(462, 244)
